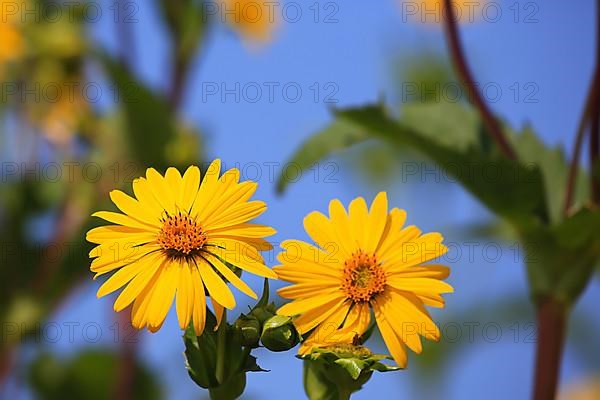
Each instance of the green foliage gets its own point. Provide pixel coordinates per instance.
(147, 114)
(89, 375)
(202, 356)
(335, 373)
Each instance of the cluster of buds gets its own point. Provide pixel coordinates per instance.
(263, 326)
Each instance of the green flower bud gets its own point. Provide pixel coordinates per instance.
(249, 326)
(279, 334)
(262, 314)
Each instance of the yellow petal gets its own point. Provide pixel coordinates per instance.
(376, 222)
(359, 214)
(390, 338)
(139, 283)
(126, 220)
(219, 312)
(185, 296)
(436, 271)
(164, 194)
(242, 230)
(341, 227)
(126, 274)
(142, 191)
(419, 285)
(199, 306)
(314, 287)
(331, 314)
(230, 276)
(242, 256)
(163, 295)
(217, 289)
(238, 214)
(189, 187)
(128, 205)
(298, 307)
(207, 188)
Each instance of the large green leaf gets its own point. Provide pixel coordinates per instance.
(510, 189)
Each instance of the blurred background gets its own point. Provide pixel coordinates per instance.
(92, 93)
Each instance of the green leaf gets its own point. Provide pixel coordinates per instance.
(149, 119)
(508, 188)
(337, 136)
(555, 168)
(201, 359)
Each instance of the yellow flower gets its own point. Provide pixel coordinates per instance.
(253, 19)
(365, 260)
(174, 239)
(11, 37)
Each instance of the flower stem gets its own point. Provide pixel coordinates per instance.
(221, 348)
(552, 318)
(464, 73)
(344, 394)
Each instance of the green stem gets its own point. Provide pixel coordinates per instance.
(222, 348)
(344, 394)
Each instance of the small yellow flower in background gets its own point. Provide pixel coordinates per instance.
(254, 20)
(432, 11)
(365, 259)
(174, 238)
(11, 38)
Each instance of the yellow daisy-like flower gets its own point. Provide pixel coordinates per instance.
(11, 37)
(253, 19)
(174, 239)
(365, 260)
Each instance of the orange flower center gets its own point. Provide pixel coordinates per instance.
(181, 236)
(363, 277)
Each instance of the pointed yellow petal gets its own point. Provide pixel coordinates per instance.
(126, 274)
(358, 213)
(189, 187)
(130, 206)
(185, 296)
(215, 285)
(161, 190)
(199, 304)
(390, 338)
(297, 307)
(376, 222)
(230, 276)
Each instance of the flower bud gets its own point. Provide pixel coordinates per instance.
(249, 326)
(262, 314)
(279, 334)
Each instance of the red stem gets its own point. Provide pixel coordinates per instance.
(465, 74)
(551, 327)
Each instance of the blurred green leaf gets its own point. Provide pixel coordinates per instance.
(149, 120)
(89, 375)
(555, 168)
